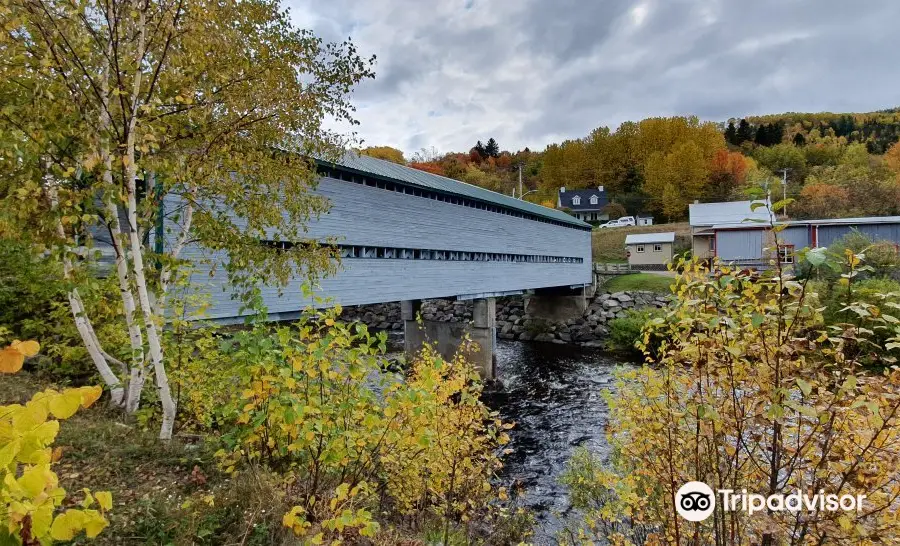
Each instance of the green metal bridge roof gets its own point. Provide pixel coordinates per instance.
(363, 164)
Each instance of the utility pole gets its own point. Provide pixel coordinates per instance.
(784, 187)
(520, 180)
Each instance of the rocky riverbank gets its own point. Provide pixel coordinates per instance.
(512, 322)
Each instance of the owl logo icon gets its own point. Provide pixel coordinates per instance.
(695, 501)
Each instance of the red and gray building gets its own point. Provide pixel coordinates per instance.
(733, 232)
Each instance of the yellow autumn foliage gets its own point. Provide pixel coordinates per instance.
(29, 489)
(750, 391)
(314, 404)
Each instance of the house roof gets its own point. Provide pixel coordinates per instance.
(820, 222)
(846, 221)
(366, 165)
(565, 199)
(733, 212)
(650, 238)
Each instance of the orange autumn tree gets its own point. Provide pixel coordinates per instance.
(892, 158)
(818, 200)
(727, 174)
(29, 489)
(432, 167)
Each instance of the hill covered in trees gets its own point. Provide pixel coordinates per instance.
(837, 164)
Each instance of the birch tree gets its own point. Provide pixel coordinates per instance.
(111, 107)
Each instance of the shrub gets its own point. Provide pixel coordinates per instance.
(33, 304)
(751, 391)
(625, 332)
(29, 489)
(882, 258)
(311, 403)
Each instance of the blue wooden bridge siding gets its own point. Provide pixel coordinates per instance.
(365, 215)
(526, 253)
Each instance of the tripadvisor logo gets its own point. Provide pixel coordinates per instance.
(695, 501)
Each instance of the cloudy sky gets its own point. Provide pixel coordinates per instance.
(533, 72)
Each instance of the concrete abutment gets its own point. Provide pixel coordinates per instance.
(448, 337)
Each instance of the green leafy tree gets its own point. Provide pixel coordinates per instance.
(782, 156)
(614, 211)
(107, 107)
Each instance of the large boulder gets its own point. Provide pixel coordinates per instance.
(585, 333)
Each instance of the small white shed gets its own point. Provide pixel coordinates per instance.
(649, 249)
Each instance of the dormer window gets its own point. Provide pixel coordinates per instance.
(576, 200)
(593, 199)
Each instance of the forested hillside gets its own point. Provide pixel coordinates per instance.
(837, 164)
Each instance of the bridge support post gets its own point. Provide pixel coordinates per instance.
(556, 304)
(448, 336)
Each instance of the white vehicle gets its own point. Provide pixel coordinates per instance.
(623, 221)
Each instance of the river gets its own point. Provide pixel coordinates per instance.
(553, 394)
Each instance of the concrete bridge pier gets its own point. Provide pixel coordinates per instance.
(556, 304)
(447, 336)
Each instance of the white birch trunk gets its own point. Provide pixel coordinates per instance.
(83, 325)
(82, 322)
(137, 256)
(153, 340)
(137, 371)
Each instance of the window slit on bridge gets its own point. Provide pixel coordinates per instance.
(394, 253)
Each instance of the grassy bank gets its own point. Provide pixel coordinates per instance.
(609, 244)
(639, 281)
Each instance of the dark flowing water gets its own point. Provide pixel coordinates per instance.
(553, 393)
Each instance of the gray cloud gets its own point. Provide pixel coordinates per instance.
(531, 72)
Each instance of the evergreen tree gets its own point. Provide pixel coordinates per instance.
(479, 147)
(769, 134)
(776, 133)
(492, 148)
(731, 134)
(799, 140)
(762, 135)
(745, 132)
